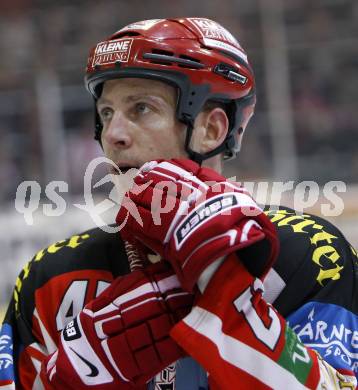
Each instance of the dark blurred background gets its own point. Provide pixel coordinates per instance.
(305, 56)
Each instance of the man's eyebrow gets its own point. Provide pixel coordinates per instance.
(134, 98)
(103, 100)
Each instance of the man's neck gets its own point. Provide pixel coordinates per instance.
(215, 163)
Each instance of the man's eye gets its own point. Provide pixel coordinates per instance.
(142, 108)
(106, 114)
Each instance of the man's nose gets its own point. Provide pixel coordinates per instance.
(118, 133)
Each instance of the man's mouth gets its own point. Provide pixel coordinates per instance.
(123, 168)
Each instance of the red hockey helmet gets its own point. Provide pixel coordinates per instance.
(196, 55)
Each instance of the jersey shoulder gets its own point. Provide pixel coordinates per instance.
(91, 252)
(315, 261)
(94, 249)
(50, 291)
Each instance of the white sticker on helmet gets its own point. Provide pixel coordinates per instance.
(109, 52)
(224, 46)
(143, 25)
(216, 36)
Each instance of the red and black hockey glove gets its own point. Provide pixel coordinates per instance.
(192, 216)
(121, 339)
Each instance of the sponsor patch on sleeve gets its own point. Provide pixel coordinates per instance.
(329, 329)
(6, 354)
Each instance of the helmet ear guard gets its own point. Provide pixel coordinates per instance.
(232, 143)
(181, 52)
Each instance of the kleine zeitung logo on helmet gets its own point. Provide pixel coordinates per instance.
(108, 52)
(211, 29)
(216, 36)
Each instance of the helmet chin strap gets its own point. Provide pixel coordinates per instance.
(199, 157)
(195, 156)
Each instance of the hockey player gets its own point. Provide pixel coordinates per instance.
(240, 298)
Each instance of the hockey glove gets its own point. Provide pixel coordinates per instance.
(121, 339)
(192, 216)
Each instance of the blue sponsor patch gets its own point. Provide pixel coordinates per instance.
(329, 329)
(6, 354)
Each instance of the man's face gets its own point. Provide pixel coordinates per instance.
(139, 123)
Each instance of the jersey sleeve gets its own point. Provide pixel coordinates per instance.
(315, 263)
(319, 295)
(243, 342)
(8, 349)
(21, 349)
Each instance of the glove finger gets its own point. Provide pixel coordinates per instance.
(139, 336)
(120, 354)
(209, 175)
(150, 306)
(169, 351)
(160, 326)
(150, 361)
(159, 270)
(187, 165)
(158, 178)
(139, 224)
(179, 302)
(158, 200)
(163, 192)
(168, 172)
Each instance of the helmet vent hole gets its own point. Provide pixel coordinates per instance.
(168, 58)
(160, 57)
(189, 58)
(163, 52)
(125, 34)
(190, 63)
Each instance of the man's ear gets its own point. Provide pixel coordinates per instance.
(211, 128)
